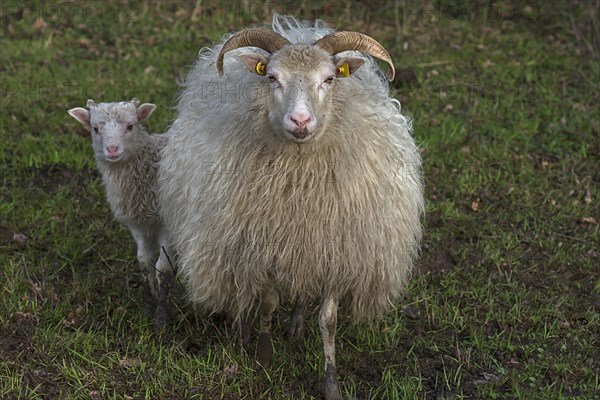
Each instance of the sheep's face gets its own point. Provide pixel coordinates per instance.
(303, 80)
(114, 127)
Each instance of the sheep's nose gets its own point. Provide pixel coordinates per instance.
(301, 119)
(113, 148)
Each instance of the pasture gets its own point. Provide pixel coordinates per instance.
(505, 300)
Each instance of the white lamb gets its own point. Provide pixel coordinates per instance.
(127, 157)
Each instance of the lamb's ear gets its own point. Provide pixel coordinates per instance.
(82, 115)
(144, 111)
(256, 63)
(346, 66)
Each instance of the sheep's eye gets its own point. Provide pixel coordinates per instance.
(129, 128)
(272, 78)
(95, 129)
(329, 80)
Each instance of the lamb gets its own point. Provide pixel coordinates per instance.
(127, 158)
(301, 179)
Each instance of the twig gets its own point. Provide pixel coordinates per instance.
(433, 63)
(169, 260)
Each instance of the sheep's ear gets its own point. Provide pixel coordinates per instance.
(144, 111)
(346, 66)
(256, 63)
(82, 115)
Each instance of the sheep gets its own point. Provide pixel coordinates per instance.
(127, 158)
(300, 179)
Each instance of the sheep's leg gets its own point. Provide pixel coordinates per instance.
(146, 255)
(165, 273)
(268, 305)
(297, 318)
(327, 325)
(245, 332)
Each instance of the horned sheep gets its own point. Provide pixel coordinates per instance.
(127, 158)
(291, 171)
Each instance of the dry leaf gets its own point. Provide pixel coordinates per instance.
(448, 107)
(20, 238)
(230, 371)
(412, 312)
(564, 324)
(475, 205)
(487, 378)
(19, 315)
(40, 24)
(587, 220)
(588, 196)
(73, 317)
(84, 42)
(95, 395)
(129, 362)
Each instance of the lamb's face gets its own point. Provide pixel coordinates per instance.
(113, 127)
(303, 80)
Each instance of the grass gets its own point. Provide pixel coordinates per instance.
(506, 299)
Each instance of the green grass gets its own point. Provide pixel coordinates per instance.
(505, 302)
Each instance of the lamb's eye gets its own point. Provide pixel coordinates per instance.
(95, 129)
(272, 78)
(129, 128)
(329, 80)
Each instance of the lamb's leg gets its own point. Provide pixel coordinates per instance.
(264, 350)
(165, 273)
(297, 318)
(328, 324)
(146, 255)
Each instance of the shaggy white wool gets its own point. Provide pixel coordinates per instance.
(248, 211)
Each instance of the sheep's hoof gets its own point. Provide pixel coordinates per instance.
(331, 390)
(296, 323)
(264, 350)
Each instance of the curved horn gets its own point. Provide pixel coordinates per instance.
(266, 40)
(342, 41)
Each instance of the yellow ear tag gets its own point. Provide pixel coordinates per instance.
(343, 70)
(260, 68)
